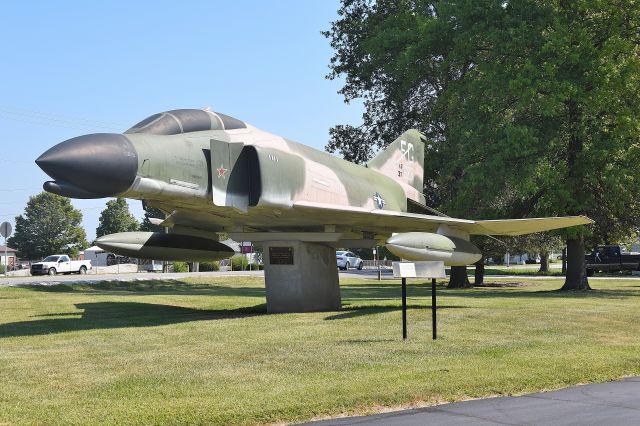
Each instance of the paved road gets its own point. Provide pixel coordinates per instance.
(613, 403)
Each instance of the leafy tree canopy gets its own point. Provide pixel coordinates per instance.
(531, 107)
(116, 218)
(151, 212)
(49, 225)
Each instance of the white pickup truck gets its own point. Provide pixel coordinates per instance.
(60, 264)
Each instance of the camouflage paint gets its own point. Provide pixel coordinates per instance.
(174, 175)
(212, 173)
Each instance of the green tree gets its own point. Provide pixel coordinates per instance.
(531, 104)
(490, 247)
(151, 212)
(49, 225)
(542, 243)
(116, 218)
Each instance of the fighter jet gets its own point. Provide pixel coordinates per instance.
(215, 175)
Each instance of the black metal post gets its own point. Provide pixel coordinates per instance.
(404, 309)
(433, 308)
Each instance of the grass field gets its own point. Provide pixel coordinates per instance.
(519, 270)
(206, 352)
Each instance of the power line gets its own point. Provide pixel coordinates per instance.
(33, 117)
(57, 117)
(80, 209)
(21, 189)
(57, 124)
(13, 161)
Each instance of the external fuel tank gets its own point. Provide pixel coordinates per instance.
(417, 246)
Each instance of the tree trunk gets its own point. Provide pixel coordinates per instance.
(458, 278)
(479, 275)
(576, 278)
(544, 262)
(564, 261)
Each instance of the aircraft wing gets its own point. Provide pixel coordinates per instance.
(392, 221)
(311, 215)
(513, 227)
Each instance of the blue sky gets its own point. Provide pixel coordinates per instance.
(71, 68)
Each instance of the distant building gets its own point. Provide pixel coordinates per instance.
(11, 256)
(96, 255)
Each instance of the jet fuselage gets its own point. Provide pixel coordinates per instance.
(214, 175)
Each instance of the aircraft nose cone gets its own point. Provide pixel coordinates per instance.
(104, 164)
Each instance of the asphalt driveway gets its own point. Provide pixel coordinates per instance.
(612, 403)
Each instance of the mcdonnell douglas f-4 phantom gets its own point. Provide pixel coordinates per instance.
(216, 175)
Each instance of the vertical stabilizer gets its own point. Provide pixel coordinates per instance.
(403, 160)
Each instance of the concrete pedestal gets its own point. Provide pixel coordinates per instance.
(300, 277)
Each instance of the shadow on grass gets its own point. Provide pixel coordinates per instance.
(377, 291)
(486, 293)
(151, 287)
(106, 315)
(358, 311)
(384, 291)
(525, 272)
(392, 292)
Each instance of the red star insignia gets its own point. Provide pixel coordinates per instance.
(221, 171)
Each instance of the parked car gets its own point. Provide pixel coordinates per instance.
(60, 264)
(347, 259)
(611, 258)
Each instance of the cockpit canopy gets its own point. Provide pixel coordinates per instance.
(180, 121)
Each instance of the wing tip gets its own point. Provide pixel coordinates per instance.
(585, 220)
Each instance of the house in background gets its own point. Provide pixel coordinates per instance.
(96, 255)
(11, 256)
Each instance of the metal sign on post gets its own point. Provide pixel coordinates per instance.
(5, 231)
(425, 269)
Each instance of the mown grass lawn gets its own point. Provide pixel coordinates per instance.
(204, 350)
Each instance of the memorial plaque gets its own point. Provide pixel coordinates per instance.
(281, 255)
(423, 269)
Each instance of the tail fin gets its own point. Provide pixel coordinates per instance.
(403, 160)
